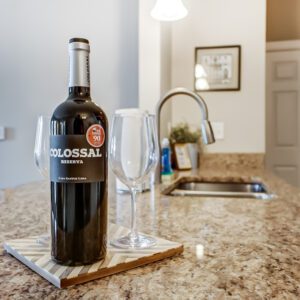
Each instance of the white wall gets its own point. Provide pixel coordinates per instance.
(149, 57)
(154, 62)
(212, 23)
(34, 67)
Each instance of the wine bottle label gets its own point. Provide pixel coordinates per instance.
(78, 158)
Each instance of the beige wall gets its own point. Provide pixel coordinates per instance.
(283, 20)
(242, 112)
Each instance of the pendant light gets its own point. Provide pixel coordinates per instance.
(169, 10)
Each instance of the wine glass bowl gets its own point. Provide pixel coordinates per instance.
(42, 145)
(131, 161)
(133, 155)
(42, 157)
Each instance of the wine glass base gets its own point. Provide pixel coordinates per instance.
(139, 242)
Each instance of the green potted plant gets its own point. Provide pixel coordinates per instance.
(182, 134)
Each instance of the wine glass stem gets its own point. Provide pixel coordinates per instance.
(133, 233)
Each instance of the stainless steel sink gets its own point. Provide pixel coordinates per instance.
(255, 190)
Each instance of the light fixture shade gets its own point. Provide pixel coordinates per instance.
(169, 10)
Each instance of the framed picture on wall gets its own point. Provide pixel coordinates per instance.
(183, 161)
(217, 68)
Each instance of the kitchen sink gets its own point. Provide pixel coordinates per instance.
(255, 190)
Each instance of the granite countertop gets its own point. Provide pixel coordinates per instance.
(234, 248)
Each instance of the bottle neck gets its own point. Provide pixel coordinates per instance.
(79, 72)
(80, 91)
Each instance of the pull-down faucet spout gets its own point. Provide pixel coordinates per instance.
(206, 129)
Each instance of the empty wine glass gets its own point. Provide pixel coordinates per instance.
(133, 155)
(41, 157)
(41, 147)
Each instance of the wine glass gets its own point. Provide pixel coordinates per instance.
(133, 155)
(41, 157)
(42, 145)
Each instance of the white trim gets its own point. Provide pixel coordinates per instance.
(283, 45)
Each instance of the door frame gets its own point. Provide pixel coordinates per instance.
(271, 47)
(283, 46)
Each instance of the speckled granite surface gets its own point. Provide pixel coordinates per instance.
(234, 248)
(232, 160)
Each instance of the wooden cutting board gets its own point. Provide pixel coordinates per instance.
(37, 257)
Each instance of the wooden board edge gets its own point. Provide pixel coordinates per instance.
(121, 267)
(40, 271)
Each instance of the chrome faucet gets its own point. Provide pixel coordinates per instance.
(206, 129)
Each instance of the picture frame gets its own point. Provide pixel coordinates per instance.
(182, 158)
(217, 68)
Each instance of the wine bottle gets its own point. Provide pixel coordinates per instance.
(78, 169)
